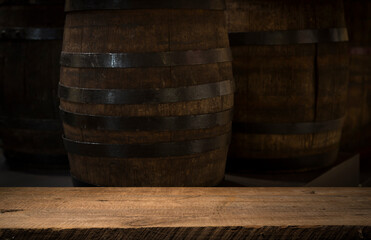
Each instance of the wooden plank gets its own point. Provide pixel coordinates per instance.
(185, 213)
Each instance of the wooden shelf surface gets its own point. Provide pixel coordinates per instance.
(185, 213)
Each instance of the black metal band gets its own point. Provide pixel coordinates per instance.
(31, 33)
(146, 96)
(78, 5)
(288, 128)
(31, 2)
(79, 183)
(289, 37)
(167, 149)
(31, 124)
(282, 164)
(153, 59)
(147, 123)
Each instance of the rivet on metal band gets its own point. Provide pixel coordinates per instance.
(167, 149)
(289, 37)
(147, 123)
(146, 96)
(78, 5)
(31, 124)
(153, 59)
(288, 128)
(31, 33)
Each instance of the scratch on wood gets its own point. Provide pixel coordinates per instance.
(10, 210)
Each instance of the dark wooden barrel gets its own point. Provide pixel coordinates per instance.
(291, 71)
(357, 127)
(146, 92)
(30, 45)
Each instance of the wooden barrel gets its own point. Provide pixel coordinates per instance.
(146, 92)
(357, 127)
(291, 67)
(30, 45)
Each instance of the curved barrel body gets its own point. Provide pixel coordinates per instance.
(146, 92)
(291, 67)
(30, 44)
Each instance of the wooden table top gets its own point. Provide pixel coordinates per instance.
(185, 213)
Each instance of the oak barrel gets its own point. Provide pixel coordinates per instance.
(31, 34)
(357, 127)
(146, 92)
(291, 71)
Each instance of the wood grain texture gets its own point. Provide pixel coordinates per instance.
(29, 73)
(357, 127)
(143, 31)
(287, 83)
(185, 213)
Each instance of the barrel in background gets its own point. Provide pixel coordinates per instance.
(30, 45)
(146, 92)
(291, 71)
(357, 128)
